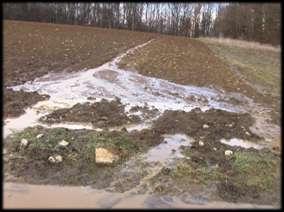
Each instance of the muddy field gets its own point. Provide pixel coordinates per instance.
(139, 114)
(100, 114)
(256, 75)
(36, 49)
(247, 175)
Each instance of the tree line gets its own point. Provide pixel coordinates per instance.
(256, 22)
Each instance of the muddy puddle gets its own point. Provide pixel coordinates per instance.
(38, 196)
(169, 149)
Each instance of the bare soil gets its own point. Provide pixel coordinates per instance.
(35, 49)
(15, 102)
(100, 114)
(232, 69)
(221, 124)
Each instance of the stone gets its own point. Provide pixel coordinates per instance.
(214, 148)
(228, 152)
(247, 133)
(55, 159)
(63, 143)
(4, 151)
(51, 159)
(205, 126)
(39, 135)
(24, 142)
(58, 158)
(230, 125)
(105, 156)
(201, 143)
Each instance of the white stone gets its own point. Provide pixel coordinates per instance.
(24, 142)
(58, 158)
(228, 152)
(214, 148)
(105, 156)
(63, 143)
(51, 159)
(201, 143)
(39, 135)
(55, 159)
(247, 133)
(205, 126)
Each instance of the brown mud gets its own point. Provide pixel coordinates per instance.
(15, 102)
(100, 114)
(210, 125)
(36, 49)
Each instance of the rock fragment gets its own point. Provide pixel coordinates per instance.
(63, 143)
(55, 159)
(228, 152)
(105, 156)
(205, 126)
(39, 135)
(24, 142)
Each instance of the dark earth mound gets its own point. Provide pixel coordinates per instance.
(100, 114)
(15, 102)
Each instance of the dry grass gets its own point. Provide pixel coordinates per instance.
(241, 44)
(258, 65)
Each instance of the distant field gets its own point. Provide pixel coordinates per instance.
(34, 49)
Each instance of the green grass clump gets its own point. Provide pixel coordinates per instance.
(255, 169)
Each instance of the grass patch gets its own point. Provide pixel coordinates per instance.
(258, 65)
(255, 169)
(78, 167)
(246, 176)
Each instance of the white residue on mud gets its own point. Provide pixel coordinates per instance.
(108, 81)
(169, 149)
(31, 116)
(240, 143)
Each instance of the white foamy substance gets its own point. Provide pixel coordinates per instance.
(108, 82)
(240, 143)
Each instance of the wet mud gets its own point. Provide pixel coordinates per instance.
(210, 125)
(15, 102)
(100, 114)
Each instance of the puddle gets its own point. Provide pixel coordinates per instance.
(51, 196)
(31, 116)
(240, 143)
(169, 149)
